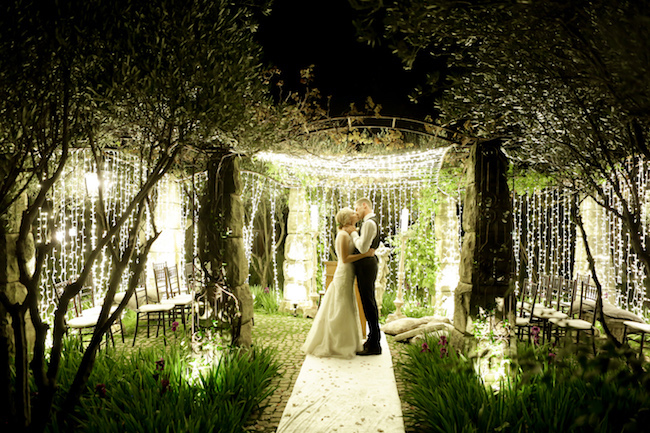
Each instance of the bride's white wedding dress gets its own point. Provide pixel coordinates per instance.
(336, 331)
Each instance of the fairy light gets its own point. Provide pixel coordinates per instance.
(256, 196)
(335, 171)
(516, 230)
(273, 241)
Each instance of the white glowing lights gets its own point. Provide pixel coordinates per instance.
(404, 220)
(417, 167)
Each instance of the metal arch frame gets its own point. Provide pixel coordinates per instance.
(418, 127)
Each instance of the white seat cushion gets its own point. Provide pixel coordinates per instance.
(572, 323)
(550, 314)
(96, 310)
(636, 326)
(619, 313)
(155, 308)
(182, 299)
(83, 322)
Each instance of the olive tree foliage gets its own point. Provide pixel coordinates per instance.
(565, 83)
(153, 78)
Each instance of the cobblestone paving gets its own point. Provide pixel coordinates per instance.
(286, 334)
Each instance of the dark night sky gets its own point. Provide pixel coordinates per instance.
(320, 32)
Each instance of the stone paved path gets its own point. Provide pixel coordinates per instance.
(287, 333)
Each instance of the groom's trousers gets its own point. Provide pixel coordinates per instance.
(366, 271)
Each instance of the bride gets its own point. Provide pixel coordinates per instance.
(336, 331)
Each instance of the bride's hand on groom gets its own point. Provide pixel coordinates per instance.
(370, 252)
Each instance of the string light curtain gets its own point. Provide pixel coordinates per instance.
(73, 205)
(391, 182)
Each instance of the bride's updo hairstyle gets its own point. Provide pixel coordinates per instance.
(343, 216)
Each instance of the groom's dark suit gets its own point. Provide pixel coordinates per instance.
(366, 272)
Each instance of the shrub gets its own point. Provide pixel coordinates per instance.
(417, 309)
(265, 299)
(388, 303)
(563, 391)
(156, 389)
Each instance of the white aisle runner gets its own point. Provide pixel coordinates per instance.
(358, 395)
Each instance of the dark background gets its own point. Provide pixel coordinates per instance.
(299, 33)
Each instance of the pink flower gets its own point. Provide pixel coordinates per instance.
(267, 290)
(443, 340)
(425, 348)
(534, 331)
(551, 356)
(160, 364)
(174, 326)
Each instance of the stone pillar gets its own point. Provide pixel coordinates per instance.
(298, 265)
(234, 249)
(9, 273)
(169, 246)
(448, 254)
(486, 253)
(594, 217)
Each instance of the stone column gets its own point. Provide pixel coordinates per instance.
(170, 244)
(298, 265)
(234, 249)
(486, 253)
(594, 217)
(10, 276)
(448, 254)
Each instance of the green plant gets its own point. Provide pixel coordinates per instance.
(417, 309)
(419, 247)
(388, 303)
(168, 389)
(265, 299)
(549, 390)
(128, 321)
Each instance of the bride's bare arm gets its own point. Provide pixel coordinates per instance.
(346, 257)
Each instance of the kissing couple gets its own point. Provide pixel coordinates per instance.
(336, 331)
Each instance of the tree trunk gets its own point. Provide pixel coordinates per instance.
(592, 267)
(23, 398)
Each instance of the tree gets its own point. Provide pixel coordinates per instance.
(167, 75)
(565, 82)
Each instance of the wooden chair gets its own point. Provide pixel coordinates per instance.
(550, 306)
(525, 318)
(575, 320)
(157, 311)
(181, 299)
(632, 327)
(86, 315)
(91, 308)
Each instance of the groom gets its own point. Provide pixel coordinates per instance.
(366, 272)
